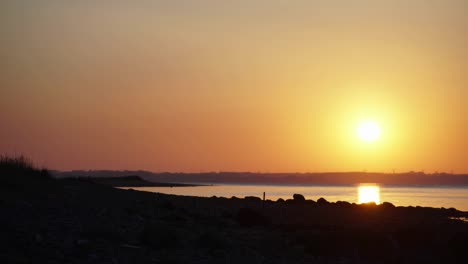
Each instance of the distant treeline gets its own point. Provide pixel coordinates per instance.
(339, 178)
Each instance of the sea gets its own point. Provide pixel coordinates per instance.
(437, 197)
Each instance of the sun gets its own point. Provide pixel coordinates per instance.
(368, 194)
(368, 131)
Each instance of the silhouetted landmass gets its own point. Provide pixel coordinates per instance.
(132, 181)
(344, 178)
(79, 221)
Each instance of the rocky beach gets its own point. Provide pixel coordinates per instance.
(47, 220)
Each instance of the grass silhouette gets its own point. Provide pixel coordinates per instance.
(20, 170)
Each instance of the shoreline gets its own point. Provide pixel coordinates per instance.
(400, 197)
(79, 221)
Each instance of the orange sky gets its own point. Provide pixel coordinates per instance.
(244, 86)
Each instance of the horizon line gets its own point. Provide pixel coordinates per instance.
(262, 172)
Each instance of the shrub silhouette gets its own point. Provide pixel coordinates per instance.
(20, 171)
(15, 164)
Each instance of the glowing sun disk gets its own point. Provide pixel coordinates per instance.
(368, 131)
(367, 194)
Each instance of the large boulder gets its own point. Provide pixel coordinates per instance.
(387, 205)
(322, 201)
(298, 197)
(343, 204)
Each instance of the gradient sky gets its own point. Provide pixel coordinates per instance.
(235, 85)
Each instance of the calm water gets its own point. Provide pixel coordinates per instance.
(447, 197)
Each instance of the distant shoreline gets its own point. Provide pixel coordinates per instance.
(133, 181)
(326, 179)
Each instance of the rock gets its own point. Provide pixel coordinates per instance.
(343, 204)
(38, 238)
(452, 210)
(369, 204)
(253, 198)
(298, 197)
(322, 201)
(130, 246)
(82, 242)
(212, 240)
(167, 205)
(249, 217)
(387, 205)
(160, 235)
(92, 258)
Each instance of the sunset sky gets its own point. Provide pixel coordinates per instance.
(272, 86)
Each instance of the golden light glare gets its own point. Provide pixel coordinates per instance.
(368, 131)
(367, 194)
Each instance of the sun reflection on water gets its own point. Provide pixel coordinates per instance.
(368, 193)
